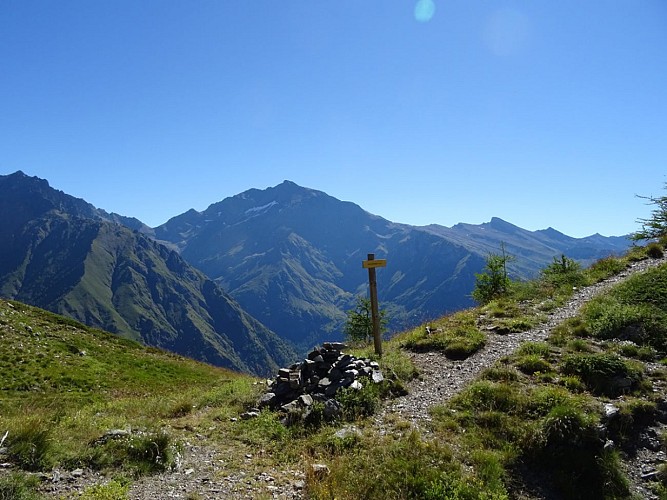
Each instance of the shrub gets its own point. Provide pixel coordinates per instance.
(142, 453)
(180, 409)
(400, 468)
(457, 341)
(655, 250)
(30, 446)
(573, 327)
(572, 451)
(563, 271)
(359, 324)
(541, 349)
(602, 373)
(579, 345)
(543, 399)
(572, 383)
(636, 310)
(566, 425)
(152, 452)
(464, 342)
(656, 225)
(500, 374)
(532, 363)
(605, 268)
(17, 486)
(490, 396)
(610, 319)
(357, 403)
(494, 282)
(113, 490)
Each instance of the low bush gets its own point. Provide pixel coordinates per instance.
(30, 445)
(563, 271)
(605, 268)
(457, 342)
(18, 486)
(357, 403)
(113, 490)
(500, 374)
(396, 468)
(579, 345)
(141, 453)
(532, 363)
(655, 250)
(540, 349)
(605, 374)
(485, 395)
(636, 310)
(572, 450)
(543, 399)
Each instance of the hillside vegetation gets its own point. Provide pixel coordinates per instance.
(533, 425)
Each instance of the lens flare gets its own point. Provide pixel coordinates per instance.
(424, 10)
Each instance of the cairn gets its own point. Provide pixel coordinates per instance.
(318, 378)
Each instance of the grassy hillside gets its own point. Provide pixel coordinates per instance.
(529, 426)
(65, 386)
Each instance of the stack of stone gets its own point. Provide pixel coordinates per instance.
(318, 378)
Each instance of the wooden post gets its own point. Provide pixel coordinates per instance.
(371, 264)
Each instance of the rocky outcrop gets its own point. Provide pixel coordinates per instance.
(317, 379)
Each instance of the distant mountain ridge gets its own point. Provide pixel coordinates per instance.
(532, 249)
(62, 254)
(292, 257)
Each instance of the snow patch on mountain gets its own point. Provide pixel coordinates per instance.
(255, 210)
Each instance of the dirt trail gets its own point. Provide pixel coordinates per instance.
(442, 378)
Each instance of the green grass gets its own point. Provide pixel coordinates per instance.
(457, 336)
(533, 414)
(76, 383)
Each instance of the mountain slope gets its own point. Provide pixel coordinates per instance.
(61, 254)
(292, 257)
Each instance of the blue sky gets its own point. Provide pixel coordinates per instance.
(543, 113)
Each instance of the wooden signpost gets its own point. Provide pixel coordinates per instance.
(371, 264)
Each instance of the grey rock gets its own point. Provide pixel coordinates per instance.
(267, 399)
(334, 346)
(320, 471)
(610, 410)
(348, 431)
(306, 400)
(356, 385)
(377, 376)
(332, 409)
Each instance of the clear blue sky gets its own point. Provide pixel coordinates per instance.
(543, 113)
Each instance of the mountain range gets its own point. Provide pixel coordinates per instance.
(253, 279)
(64, 255)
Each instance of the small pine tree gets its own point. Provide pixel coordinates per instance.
(655, 226)
(494, 282)
(563, 271)
(359, 324)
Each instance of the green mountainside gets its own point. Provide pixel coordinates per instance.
(60, 254)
